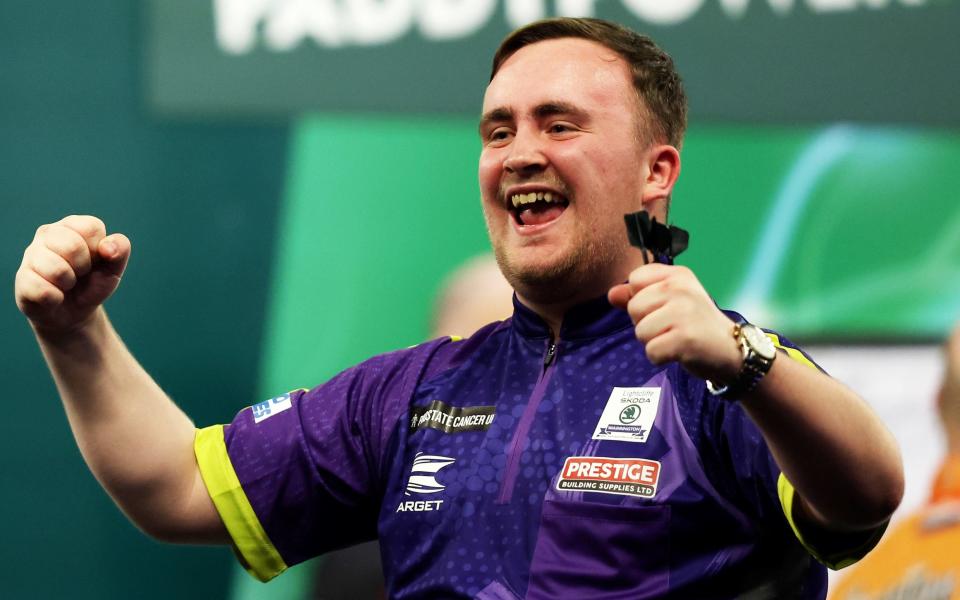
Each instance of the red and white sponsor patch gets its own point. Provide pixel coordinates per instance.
(630, 476)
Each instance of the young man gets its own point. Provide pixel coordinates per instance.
(610, 440)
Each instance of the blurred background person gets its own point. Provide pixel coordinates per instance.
(919, 559)
(474, 294)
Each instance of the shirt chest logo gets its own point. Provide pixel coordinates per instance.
(627, 476)
(628, 415)
(423, 480)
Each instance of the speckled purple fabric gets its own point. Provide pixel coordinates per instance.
(477, 507)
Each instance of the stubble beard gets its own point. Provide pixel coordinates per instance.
(575, 277)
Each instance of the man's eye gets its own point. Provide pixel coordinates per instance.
(499, 135)
(560, 128)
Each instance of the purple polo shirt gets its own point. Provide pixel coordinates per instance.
(507, 466)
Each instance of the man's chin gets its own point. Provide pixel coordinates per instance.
(579, 273)
(545, 281)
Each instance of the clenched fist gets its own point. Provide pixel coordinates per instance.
(69, 270)
(678, 321)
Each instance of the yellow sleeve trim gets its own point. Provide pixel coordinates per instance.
(791, 352)
(787, 494)
(254, 549)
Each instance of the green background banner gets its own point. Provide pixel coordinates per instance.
(744, 60)
(269, 254)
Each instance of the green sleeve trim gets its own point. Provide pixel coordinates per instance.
(836, 550)
(251, 544)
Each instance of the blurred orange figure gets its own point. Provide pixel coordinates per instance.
(920, 558)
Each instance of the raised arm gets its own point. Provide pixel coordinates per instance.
(136, 441)
(841, 459)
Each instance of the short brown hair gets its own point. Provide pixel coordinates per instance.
(654, 76)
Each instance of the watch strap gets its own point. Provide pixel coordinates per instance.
(753, 369)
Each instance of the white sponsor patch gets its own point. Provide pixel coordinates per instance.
(626, 476)
(629, 414)
(423, 474)
(268, 408)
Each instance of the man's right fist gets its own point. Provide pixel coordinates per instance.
(71, 267)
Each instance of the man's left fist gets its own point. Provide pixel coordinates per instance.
(678, 321)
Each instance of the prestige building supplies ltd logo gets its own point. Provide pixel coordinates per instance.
(626, 476)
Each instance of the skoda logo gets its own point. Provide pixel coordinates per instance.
(630, 414)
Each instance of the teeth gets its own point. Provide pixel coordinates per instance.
(521, 199)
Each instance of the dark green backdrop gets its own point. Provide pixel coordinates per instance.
(200, 202)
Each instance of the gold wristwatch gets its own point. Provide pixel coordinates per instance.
(758, 356)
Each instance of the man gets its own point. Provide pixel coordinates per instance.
(611, 440)
(920, 557)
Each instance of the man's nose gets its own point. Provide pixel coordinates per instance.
(526, 154)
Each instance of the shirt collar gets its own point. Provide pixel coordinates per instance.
(594, 318)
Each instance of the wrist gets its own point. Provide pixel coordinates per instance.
(757, 353)
(729, 368)
(83, 331)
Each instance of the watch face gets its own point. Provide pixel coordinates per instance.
(759, 342)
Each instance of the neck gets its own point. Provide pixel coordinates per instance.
(953, 441)
(552, 307)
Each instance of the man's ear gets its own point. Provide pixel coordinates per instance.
(663, 169)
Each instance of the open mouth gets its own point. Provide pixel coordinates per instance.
(537, 208)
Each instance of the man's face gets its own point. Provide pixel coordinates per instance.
(560, 122)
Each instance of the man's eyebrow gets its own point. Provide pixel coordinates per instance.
(496, 115)
(541, 111)
(552, 109)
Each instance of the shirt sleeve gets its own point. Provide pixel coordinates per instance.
(759, 482)
(300, 474)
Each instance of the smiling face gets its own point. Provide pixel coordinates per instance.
(562, 162)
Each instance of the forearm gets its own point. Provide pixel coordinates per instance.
(136, 441)
(830, 445)
(839, 456)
